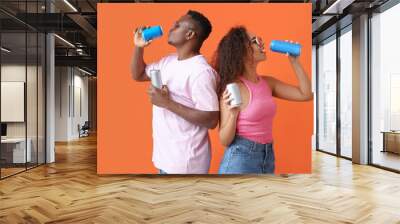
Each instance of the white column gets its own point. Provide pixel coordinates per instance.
(360, 90)
(50, 92)
(50, 110)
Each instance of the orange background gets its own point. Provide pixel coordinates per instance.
(124, 110)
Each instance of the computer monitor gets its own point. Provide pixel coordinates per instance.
(3, 129)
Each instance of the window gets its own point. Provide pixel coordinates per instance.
(327, 95)
(346, 75)
(385, 89)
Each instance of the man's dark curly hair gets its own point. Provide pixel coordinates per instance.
(229, 59)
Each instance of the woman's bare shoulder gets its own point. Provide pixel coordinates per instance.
(269, 79)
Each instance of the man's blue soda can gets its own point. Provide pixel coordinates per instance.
(151, 33)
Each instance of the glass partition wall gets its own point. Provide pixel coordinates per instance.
(22, 88)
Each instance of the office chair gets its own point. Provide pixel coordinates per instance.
(84, 130)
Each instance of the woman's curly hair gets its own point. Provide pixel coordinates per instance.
(230, 56)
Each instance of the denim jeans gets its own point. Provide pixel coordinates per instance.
(160, 171)
(244, 156)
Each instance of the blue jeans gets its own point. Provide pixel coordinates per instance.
(244, 156)
(160, 171)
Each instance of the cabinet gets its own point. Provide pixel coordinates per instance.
(391, 141)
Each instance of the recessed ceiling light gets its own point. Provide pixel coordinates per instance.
(70, 5)
(84, 71)
(337, 7)
(5, 50)
(64, 40)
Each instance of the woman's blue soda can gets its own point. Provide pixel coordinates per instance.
(285, 47)
(151, 33)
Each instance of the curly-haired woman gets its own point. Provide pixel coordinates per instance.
(246, 131)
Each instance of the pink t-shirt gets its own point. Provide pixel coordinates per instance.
(180, 146)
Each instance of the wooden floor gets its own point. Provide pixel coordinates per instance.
(387, 159)
(70, 191)
(5, 172)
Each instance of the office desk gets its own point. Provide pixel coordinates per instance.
(13, 150)
(391, 141)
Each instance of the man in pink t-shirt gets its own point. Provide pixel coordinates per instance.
(187, 105)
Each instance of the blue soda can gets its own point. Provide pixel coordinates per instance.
(285, 47)
(151, 33)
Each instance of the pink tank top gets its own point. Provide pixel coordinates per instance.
(255, 121)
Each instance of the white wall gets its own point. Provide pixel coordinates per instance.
(82, 84)
(12, 101)
(61, 103)
(10, 73)
(16, 73)
(34, 125)
(70, 83)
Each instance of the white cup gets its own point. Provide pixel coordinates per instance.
(236, 99)
(155, 76)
